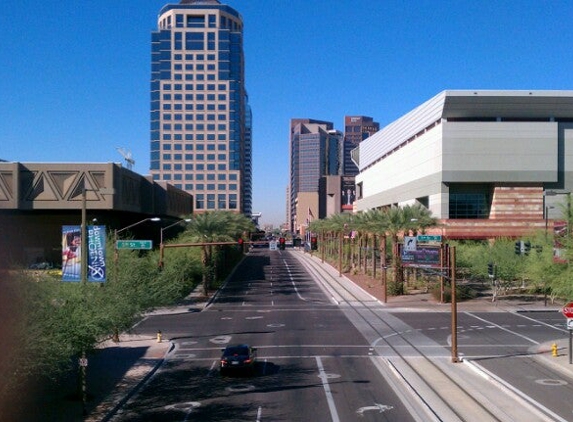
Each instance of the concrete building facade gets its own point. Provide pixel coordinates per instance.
(486, 163)
(37, 199)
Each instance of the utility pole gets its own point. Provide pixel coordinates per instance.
(454, 306)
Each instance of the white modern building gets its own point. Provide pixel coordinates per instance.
(486, 163)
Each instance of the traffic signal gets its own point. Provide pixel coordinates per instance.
(313, 243)
(282, 242)
(240, 243)
(490, 269)
(518, 247)
(527, 247)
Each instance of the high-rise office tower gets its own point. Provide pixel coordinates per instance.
(356, 129)
(314, 153)
(200, 117)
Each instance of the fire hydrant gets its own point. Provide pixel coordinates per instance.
(554, 350)
(159, 336)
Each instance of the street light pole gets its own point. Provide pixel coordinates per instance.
(116, 232)
(161, 249)
(84, 281)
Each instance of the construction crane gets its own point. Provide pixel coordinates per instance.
(125, 153)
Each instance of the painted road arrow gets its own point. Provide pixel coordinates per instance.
(380, 407)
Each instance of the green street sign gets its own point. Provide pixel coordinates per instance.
(134, 244)
(429, 238)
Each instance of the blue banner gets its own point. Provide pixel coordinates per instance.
(96, 253)
(71, 253)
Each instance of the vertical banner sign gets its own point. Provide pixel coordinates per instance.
(71, 253)
(96, 253)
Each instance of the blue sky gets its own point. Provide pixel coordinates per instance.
(74, 80)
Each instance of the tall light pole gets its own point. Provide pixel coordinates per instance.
(186, 220)
(84, 281)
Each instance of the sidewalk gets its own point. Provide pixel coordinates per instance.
(114, 373)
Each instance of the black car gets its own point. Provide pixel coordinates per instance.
(240, 357)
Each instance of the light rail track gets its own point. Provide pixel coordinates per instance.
(468, 406)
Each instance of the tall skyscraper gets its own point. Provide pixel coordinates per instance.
(314, 153)
(356, 129)
(200, 117)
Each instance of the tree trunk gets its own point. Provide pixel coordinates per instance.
(205, 260)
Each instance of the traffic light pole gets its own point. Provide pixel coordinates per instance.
(455, 358)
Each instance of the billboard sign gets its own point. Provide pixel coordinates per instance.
(423, 256)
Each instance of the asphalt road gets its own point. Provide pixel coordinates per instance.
(320, 354)
(313, 364)
(505, 345)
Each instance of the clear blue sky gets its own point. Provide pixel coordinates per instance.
(74, 80)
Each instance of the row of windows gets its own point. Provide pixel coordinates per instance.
(208, 202)
(192, 97)
(191, 66)
(191, 147)
(189, 87)
(205, 187)
(200, 167)
(191, 117)
(191, 157)
(199, 21)
(196, 57)
(191, 107)
(210, 177)
(192, 76)
(189, 126)
(194, 137)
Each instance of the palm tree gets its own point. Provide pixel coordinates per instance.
(215, 227)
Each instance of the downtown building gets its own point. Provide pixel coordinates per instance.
(201, 123)
(315, 152)
(356, 129)
(487, 164)
(322, 171)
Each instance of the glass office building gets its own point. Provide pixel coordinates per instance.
(356, 129)
(200, 118)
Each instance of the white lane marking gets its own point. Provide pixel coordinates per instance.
(540, 322)
(538, 406)
(329, 398)
(292, 281)
(259, 414)
(502, 328)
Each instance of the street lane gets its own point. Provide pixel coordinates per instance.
(506, 344)
(313, 364)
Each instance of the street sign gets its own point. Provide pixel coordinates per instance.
(134, 244)
(570, 323)
(409, 243)
(567, 310)
(424, 238)
(273, 245)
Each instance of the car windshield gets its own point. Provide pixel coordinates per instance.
(234, 351)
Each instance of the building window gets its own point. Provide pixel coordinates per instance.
(232, 201)
(222, 201)
(200, 201)
(470, 201)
